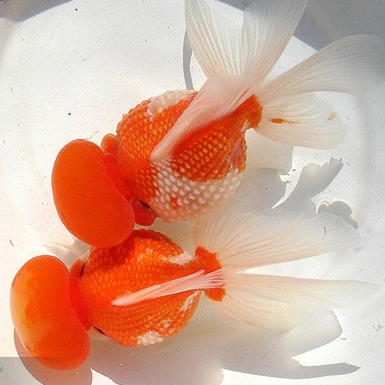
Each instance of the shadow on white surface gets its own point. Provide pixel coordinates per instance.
(27, 9)
(197, 355)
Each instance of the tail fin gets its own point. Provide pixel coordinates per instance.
(223, 49)
(243, 241)
(291, 115)
(242, 238)
(350, 65)
(274, 301)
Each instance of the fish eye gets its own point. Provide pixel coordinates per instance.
(145, 205)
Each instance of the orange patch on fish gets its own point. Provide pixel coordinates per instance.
(211, 259)
(208, 153)
(282, 121)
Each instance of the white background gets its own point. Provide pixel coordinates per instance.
(69, 69)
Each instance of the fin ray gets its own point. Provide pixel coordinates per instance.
(268, 26)
(247, 240)
(349, 65)
(195, 281)
(213, 38)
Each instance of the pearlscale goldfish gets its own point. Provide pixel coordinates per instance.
(148, 288)
(181, 154)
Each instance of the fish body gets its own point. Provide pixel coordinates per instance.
(146, 259)
(181, 154)
(200, 173)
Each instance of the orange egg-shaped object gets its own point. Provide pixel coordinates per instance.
(86, 198)
(44, 316)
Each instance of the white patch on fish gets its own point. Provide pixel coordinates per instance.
(166, 323)
(167, 99)
(192, 198)
(180, 259)
(150, 338)
(189, 301)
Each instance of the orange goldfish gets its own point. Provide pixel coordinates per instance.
(180, 154)
(148, 288)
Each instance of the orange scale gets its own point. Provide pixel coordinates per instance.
(217, 141)
(163, 316)
(137, 136)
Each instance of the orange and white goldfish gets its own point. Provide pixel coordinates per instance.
(148, 288)
(180, 154)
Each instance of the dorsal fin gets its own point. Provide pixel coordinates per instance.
(196, 281)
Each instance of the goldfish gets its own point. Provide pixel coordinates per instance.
(147, 288)
(178, 155)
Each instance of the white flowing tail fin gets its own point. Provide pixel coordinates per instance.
(275, 301)
(223, 49)
(242, 238)
(351, 65)
(292, 115)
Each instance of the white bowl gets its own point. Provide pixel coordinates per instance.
(69, 69)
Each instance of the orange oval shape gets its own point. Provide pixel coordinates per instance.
(88, 203)
(44, 316)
